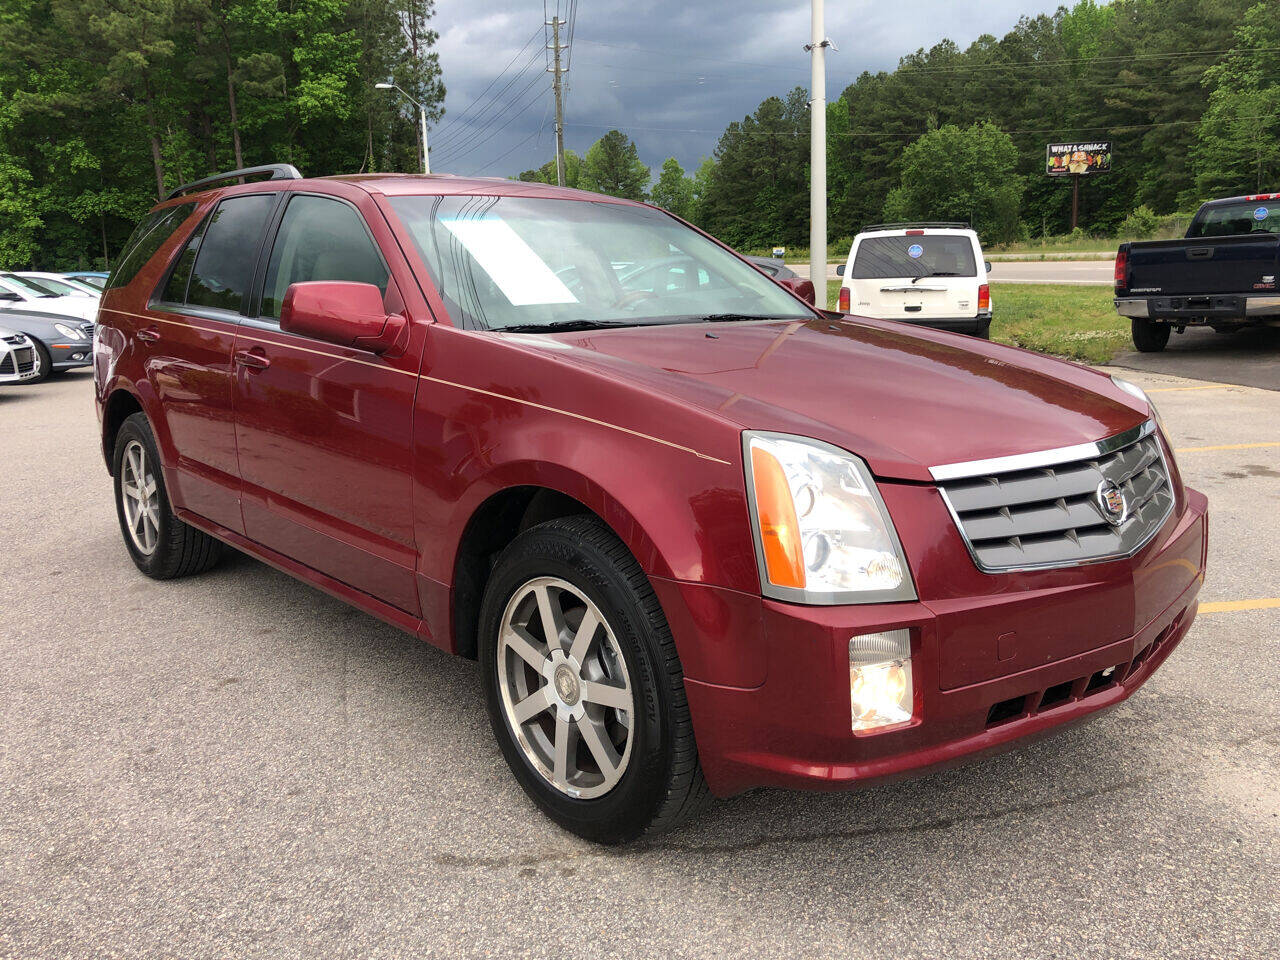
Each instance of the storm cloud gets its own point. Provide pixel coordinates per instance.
(670, 75)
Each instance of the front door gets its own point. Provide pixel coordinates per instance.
(323, 432)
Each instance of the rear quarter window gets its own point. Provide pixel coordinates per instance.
(882, 258)
(147, 237)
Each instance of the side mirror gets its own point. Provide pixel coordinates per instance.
(987, 265)
(801, 287)
(342, 313)
(840, 269)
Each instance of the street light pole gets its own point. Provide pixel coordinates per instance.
(817, 48)
(422, 119)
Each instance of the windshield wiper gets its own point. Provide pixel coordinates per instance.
(731, 317)
(939, 273)
(565, 326)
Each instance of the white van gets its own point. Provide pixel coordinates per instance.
(927, 273)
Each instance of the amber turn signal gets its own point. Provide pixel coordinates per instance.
(779, 526)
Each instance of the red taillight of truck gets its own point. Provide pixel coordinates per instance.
(844, 300)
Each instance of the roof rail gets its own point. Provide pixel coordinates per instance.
(921, 225)
(278, 171)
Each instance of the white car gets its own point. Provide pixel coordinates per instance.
(932, 274)
(30, 294)
(66, 286)
(17, 357)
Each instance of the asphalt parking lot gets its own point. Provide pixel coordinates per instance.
(236, 765)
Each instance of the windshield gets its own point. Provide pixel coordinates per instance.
(30, 286)
(507, 263)
(60, 287)
(1233, 219)
(920, 255)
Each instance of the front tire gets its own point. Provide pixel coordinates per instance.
(160, 545)
(44, 362)
(583, 685)
(1149, 336)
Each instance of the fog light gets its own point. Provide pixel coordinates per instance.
(880, 690)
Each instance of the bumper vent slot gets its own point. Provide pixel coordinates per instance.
(1057, 515)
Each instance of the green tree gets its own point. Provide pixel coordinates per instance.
(758, 193)
(960, 173)
(674, 191)
(547, 172)
(613, 166)
(1237, 147)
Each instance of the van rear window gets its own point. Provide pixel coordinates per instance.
(934, 255)
(147, 237)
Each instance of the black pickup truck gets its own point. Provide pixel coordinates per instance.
(1223, 274)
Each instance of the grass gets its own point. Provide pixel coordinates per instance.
(1076, 322)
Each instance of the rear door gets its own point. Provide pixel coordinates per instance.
(324, 432)
(914, 276)
(185, 341)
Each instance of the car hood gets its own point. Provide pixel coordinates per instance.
(904, 398)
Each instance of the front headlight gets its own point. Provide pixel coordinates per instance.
(71, 333)
(822, 532)
(1133, 390)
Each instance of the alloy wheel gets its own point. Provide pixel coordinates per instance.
(140, 497)
(566, 693)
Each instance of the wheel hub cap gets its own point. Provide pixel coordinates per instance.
(566, 692)
(566, 685)
(140, 498)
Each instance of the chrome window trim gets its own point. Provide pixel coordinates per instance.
(1105, 446)
(1043, 458)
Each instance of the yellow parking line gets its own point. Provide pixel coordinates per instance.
(1225, 606)
(1207, 386)
(1229, 446)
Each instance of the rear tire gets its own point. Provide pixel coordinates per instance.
(651, 779)
(160, 545)
(1149, 336)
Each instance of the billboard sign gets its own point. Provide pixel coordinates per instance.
(1063, 159)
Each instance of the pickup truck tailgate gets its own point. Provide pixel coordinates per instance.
(1240, 264)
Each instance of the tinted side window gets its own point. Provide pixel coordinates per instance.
(320, 239)
(148, 237)
(175, 291)
(224, 261)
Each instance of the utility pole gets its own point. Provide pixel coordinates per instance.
(555, 24)
(817, 48)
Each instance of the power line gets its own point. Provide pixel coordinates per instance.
(460, 150)
(445, 126)
(495, 103)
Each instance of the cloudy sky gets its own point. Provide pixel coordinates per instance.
(672, 75)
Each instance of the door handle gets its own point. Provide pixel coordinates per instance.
(254, 359)
(148, 334)
(1200, 253)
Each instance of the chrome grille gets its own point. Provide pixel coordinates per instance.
(1051, 509)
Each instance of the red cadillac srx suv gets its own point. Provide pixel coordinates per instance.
(700, 535)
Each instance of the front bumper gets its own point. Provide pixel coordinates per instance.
(793, 728)
(69, 354)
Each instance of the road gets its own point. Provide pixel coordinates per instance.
(1076, 272)
(236, 765)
